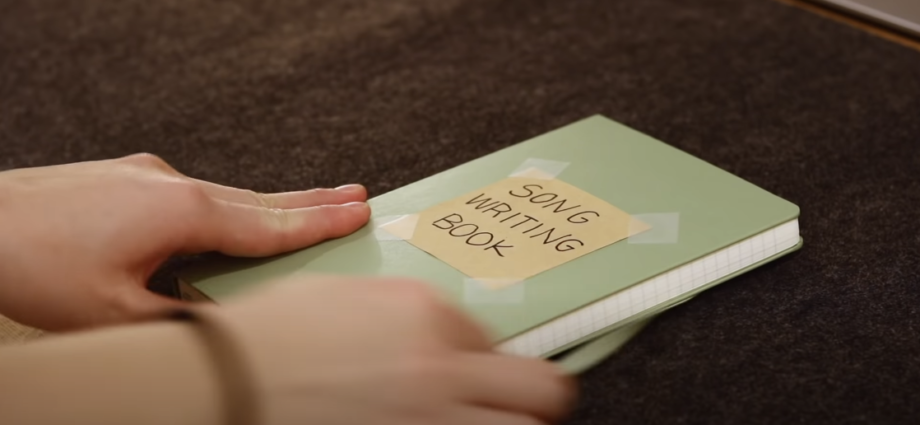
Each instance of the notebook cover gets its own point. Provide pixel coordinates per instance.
(622, 166)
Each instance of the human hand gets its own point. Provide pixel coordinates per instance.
(382, 351)
(79, 241)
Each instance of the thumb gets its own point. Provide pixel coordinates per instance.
(141, 304)
(254, 231)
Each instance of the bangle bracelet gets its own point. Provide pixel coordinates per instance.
(234, 376)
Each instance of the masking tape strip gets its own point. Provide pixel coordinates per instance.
(665, 228)
(493, 291)
(396, 227)
(537, 168)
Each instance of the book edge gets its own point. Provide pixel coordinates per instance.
(507, 343)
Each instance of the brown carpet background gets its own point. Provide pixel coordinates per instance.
(281, 94)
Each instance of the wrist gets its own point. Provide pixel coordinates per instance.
(127, 367)
(240, 402)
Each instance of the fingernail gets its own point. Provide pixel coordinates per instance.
(356, 205)
(350, 188)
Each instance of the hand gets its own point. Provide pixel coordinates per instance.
(80, 241)
(344, 351)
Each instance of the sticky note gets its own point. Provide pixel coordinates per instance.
(518, 227)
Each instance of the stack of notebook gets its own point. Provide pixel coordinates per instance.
(563, 246)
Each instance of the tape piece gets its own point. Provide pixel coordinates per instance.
(493, 291)
(539, 169)
(665, 228)
(396, 228)
(534, 173)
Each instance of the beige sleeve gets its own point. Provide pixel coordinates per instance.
(171, 372)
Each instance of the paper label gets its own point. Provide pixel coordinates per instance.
(519, 227)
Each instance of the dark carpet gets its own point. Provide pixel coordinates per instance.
(281, 94)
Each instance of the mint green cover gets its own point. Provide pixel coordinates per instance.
(629, 169)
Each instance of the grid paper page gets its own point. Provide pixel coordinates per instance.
(636, 299)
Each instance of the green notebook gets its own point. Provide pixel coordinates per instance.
(572, 239)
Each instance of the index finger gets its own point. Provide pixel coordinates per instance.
(250, 231)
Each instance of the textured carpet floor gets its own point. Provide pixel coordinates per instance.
(283, 94)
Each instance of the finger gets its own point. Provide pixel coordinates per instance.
(249, 231)
(137, 303)
(286, 200)
(475, 415)
(529, 386)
